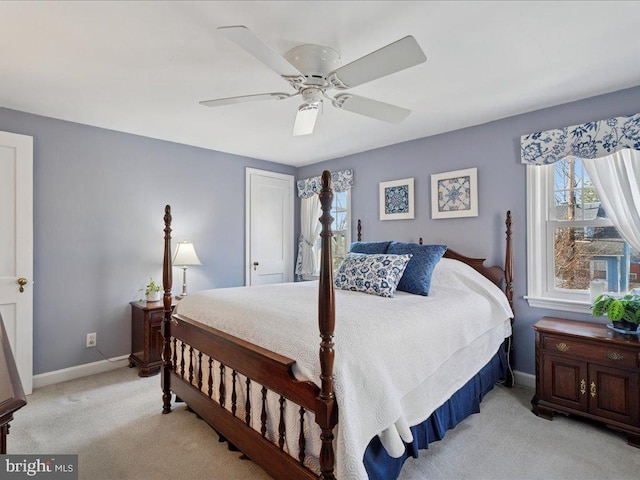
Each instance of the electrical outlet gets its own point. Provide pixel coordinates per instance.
(92, 339)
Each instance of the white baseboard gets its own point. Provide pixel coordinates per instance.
(524, 379)
(71, 373)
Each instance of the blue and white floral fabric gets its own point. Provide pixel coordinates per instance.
(587, 140)
(373, 274)
(341, 181)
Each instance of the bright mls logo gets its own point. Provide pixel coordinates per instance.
(58, 467)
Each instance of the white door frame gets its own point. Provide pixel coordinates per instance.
(21, 333)
(282, 176)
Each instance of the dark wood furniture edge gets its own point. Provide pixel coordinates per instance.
(12, 397)
(579, 328)
(587, 333)
(167, 283)
(551, 408)
(327, 407)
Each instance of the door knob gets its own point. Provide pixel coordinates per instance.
(22, 282)
(255, 264)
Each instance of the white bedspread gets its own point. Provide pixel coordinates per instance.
(388, 350)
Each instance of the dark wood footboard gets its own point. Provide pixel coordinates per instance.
(216, 401)
(189, 347)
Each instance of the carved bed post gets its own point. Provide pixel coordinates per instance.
(508, 290)
(359, 230)
(508, 262)
(167, 281)
(327, 408)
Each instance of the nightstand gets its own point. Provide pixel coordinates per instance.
(588, 370)
(146, 336)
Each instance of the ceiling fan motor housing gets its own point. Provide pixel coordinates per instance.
(312, 95)
(315, 62)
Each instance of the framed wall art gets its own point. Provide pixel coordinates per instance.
(396, 199)
(454, 194)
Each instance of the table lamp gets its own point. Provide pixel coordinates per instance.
(185, 256)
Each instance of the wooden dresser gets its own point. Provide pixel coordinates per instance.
(588, 370)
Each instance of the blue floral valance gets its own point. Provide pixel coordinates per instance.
(341, 181)
(587, 140)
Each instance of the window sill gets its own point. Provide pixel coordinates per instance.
(559, 304)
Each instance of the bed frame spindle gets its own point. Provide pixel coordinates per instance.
(263, 415)
(247, 405)
(326, 406)
(221, 391)
(210, 381)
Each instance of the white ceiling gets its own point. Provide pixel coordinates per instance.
(142, 67)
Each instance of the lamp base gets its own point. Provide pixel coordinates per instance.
(184, 283)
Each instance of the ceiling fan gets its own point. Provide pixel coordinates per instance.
(312, 70)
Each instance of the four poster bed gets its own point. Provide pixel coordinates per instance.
(281, 409)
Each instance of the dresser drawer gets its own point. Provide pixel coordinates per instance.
(156, 317)
(613, 356)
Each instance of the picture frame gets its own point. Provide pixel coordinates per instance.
(454, 194)
(397, 199)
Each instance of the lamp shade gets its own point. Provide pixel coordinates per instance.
(185, 255)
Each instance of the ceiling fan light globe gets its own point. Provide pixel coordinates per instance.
(305, 119)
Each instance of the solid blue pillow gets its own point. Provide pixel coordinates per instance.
(417, 276)
(369, 247)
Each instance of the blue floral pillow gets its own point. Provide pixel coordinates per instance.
(375, 274)
(369, 247)
(417, 276)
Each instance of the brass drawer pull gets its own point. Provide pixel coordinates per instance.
(593, 389)
(614, 356)
(563, 347)
(583, 386)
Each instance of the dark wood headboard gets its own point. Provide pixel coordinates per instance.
(502, 277)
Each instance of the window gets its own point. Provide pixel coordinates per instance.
(340, 211)
(570, 240)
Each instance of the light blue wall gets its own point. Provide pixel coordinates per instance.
(494, 149)
(99, 199)
(99, 196)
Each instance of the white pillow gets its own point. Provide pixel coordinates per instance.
(376, 274)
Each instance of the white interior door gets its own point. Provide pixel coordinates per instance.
(269, 227)
(16, 249)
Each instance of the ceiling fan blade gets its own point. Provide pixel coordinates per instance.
(396, 56)
(246, 39)
(244, 98)
(370, 108)
(305, 119)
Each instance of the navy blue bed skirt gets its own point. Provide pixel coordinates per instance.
(378, 463)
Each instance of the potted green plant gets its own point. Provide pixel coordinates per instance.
(622, 310)
(153, 291)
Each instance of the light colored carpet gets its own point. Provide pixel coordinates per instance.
(113, 421)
